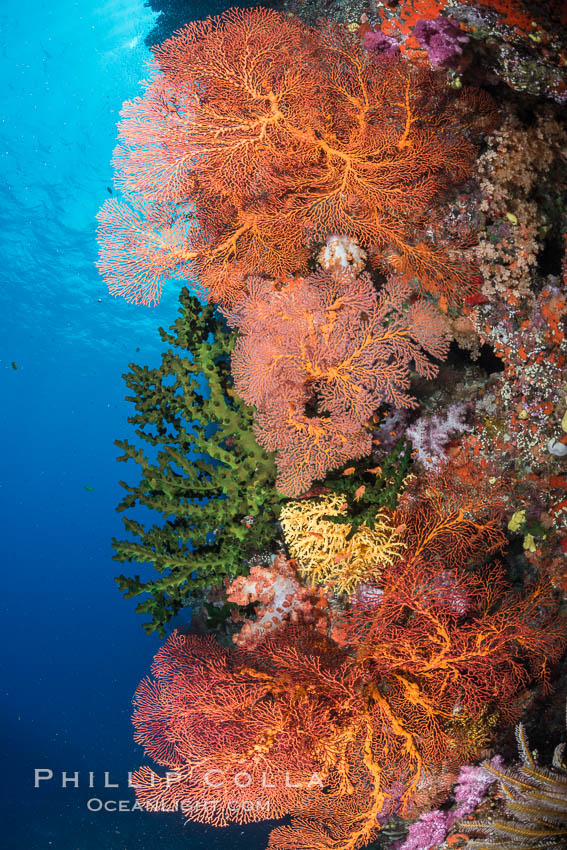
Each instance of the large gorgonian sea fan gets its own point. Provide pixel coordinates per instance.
(383, 724)
(319, 356)
(245, 149)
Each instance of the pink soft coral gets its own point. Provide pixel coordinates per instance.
(280, 599)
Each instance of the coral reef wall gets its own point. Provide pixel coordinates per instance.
(354, 449)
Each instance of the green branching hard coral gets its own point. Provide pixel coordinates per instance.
(205, 474)
(367, 487)
(535, 805)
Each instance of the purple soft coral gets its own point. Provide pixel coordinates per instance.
(442, 39)
(471, 787)
(428, 831)
(380, 44)
(431, 829)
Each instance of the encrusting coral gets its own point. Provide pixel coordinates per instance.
(522, 174)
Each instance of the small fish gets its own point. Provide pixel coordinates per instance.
(87, 487)
(359, 492)
(14, 366)
(316, 534)
(109, 190)
(349, 471)
(377, 470)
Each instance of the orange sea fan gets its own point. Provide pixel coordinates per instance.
(278, 143)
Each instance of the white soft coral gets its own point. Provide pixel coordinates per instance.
(430, 435)
(342, 252)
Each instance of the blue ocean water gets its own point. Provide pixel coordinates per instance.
(73, 649)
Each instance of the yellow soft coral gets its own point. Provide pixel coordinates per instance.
(324, 555)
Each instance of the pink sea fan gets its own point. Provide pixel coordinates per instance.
(308, 447)
(320, 355)
(141, 245)
(155, 154)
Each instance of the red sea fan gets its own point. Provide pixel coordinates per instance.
(461, 638)
(223, 734)
(233, 727)
(293, 723)
(276, 143)
(383, 726)
(341, 741)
